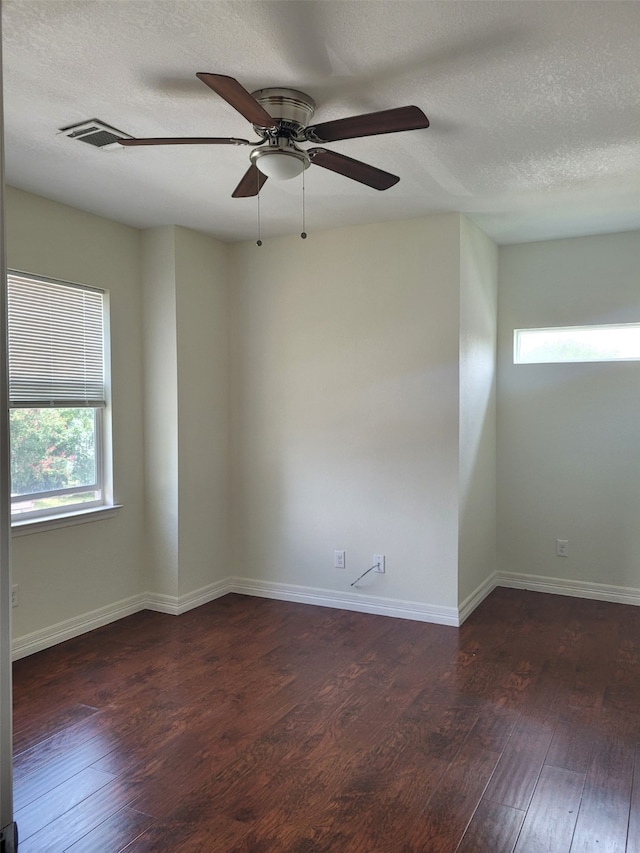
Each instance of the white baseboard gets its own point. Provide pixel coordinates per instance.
(417, 611)
(347, 601)
(175, 605)
(476, 598)
(50, 636)
(54, 634)
(578, 589)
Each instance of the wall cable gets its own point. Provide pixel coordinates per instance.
(374, 566)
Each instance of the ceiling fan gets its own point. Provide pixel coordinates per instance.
(280, 117)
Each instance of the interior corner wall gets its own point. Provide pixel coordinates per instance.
(159, 335)
(6, 716)
(345, 398)
(202, 305)
(185, 283)
(66, 573)
(569, 434)
(478, 329)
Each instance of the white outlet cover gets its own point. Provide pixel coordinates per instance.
(378, 562)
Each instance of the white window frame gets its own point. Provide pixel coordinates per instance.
(31, 520)
(626, 348)
(70, 509)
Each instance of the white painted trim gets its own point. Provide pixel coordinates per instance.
(417, 611)
(50, 636)
(476, 598)
(575, 588)
(175, 605)
(51, 522)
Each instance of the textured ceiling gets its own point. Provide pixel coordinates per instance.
(534, 109)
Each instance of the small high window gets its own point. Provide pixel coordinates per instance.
(615, 342)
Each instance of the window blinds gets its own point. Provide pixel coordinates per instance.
(56, 344)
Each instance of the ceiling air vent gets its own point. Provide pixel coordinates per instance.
(96, 133)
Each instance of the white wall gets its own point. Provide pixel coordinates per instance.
(569, 435)
(76, 570)
(6, 723)
(202, 276)
(478, 322)
(159, 336)
(169, 353)
(301, 397)
(186, 284)
(347, 403)
(345, 408)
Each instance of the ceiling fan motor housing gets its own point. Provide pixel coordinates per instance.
(292, 110)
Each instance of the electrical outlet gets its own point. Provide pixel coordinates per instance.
(15, 596)
(378, 562)
(338, 560)
(562, 547)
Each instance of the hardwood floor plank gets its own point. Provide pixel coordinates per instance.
(494, 828)
(573, 739)
(209, 833)
(71, 825)
(551, 818)
(438, 731)
(450, 809)
(370, 811)
(519, 767)
(493, 727)
(633, 835)
(606, 802)
(32, 786)
(48, 723)
(59, 801)
(57, 746)
(113, 834)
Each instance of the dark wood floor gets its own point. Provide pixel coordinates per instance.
(269, 727)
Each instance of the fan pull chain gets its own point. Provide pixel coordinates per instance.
(259, 240)
(303, 233)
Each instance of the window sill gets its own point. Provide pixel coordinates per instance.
(51, 522)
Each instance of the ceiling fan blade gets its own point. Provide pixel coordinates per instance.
(369, 124)
(250, 184)
(233, 93)
(354, 169)
(187, 140)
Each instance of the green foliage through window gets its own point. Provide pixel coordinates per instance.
(52, 449)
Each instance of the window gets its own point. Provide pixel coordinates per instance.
(57, 396)
(620, 342)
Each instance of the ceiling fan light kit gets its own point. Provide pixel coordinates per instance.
(280, 159)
